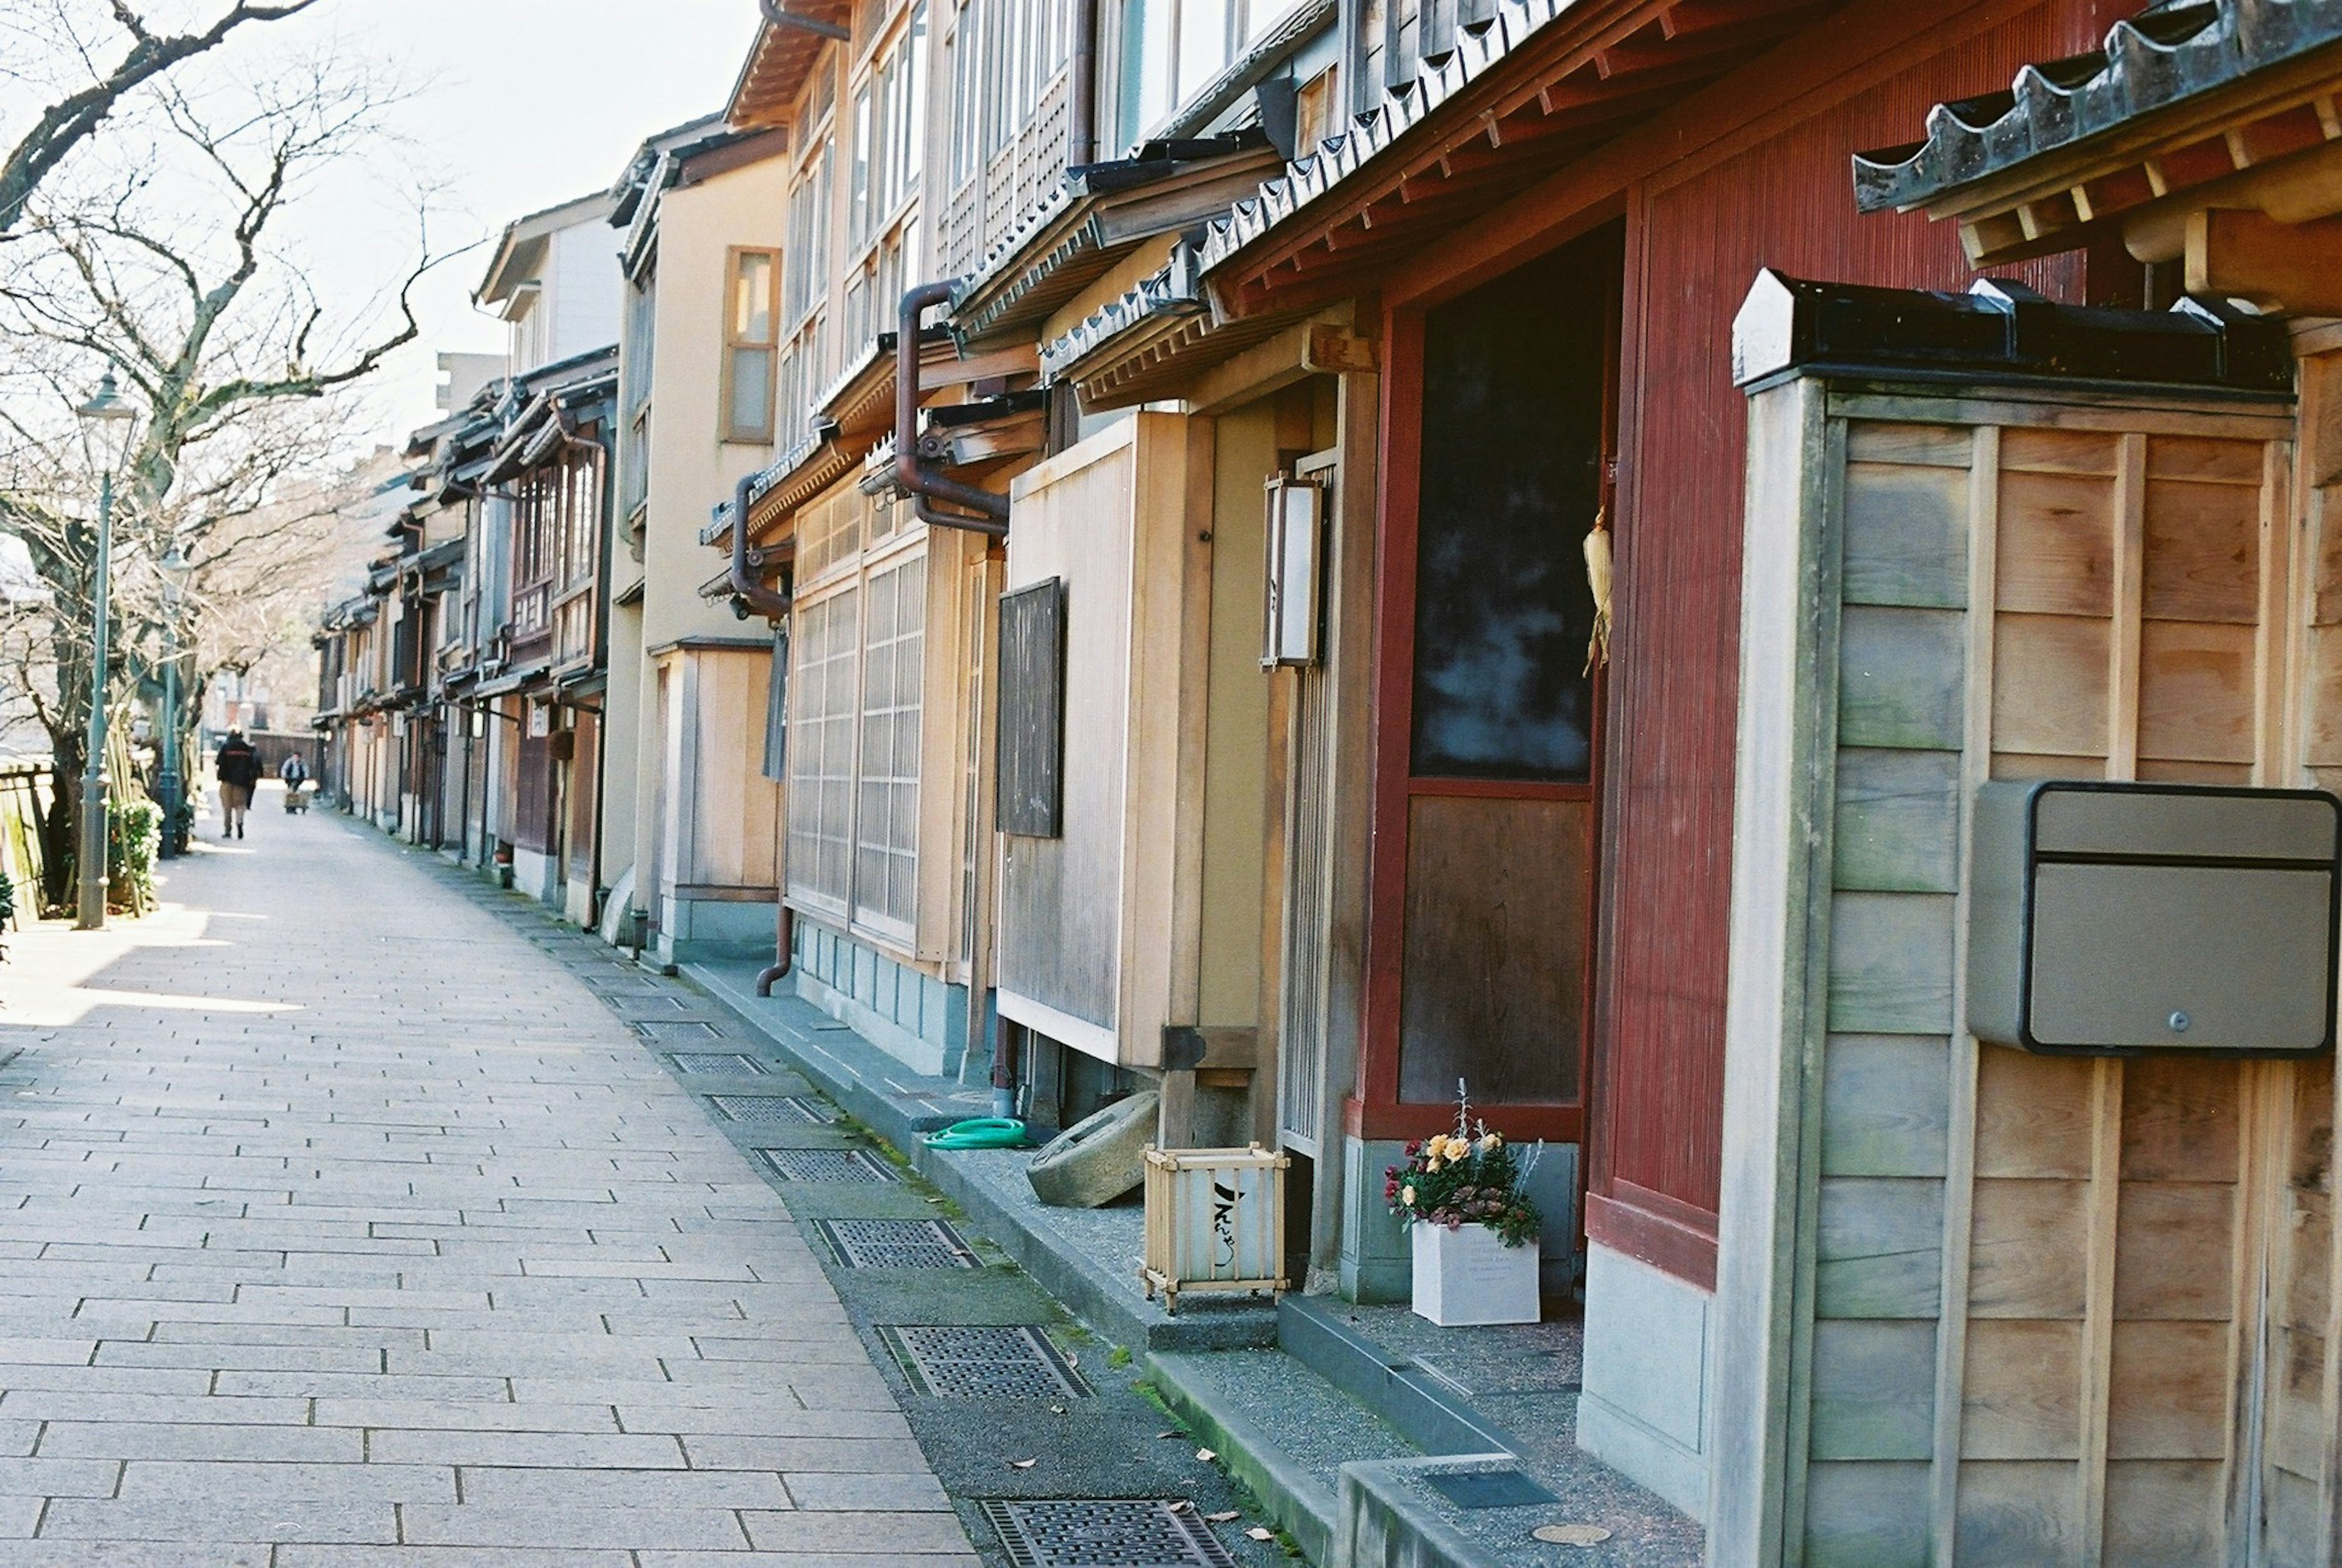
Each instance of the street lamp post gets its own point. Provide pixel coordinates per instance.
(106, 419)
(171, 787)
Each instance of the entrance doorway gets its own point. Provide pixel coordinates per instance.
(1488, 728)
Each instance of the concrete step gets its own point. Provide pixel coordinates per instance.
(1087, 1258)
(1279, 1428)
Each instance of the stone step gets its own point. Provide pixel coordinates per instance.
(1279, 1428)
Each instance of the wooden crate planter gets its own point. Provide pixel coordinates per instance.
(1214, 1221)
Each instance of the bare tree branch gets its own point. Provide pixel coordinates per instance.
(73, 119)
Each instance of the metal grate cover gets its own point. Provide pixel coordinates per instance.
(790, 1108)
(827, 1166)
(1104, 1533)
(715, 1061)
(896, 1244)
(679, 1032)
(954, 1361)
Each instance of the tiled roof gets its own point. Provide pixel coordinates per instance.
(1170, 292)
(1093, 217)
(2163, 56)
(1479, 48)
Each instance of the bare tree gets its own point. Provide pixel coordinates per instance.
(216, 331)
(74, 118)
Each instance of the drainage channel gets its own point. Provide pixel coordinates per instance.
(1054, 1450)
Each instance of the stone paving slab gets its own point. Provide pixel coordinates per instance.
(345, 1226)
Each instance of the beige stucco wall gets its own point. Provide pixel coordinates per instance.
(691, 471)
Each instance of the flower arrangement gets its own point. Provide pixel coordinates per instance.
(1467, 1177)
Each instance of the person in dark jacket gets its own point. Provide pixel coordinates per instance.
(238, 770)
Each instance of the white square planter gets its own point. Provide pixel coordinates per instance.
(1468, 1275)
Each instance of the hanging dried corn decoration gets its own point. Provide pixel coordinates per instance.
(1598, 578)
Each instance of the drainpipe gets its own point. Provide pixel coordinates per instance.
(1081, 89)
(795, 23)
(989, 509)
(751, 590)
(788, 948)
(747, 586)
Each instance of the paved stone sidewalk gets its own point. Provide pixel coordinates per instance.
(342, 1225)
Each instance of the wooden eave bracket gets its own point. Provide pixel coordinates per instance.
(2150, 181)
(2293, 269)
(1337, 351)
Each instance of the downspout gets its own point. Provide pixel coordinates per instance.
(794, 23)
(981, 511)
(787, 950)
(745, 584)
(1081, 88)
(750, 590)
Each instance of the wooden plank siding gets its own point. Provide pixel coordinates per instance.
(2035, 1306)
(1771, 192)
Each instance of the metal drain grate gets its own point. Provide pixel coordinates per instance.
(678, 1033)
(952, 1362)
(1104, 1533)
(895, 1244)
(827, 1166)
(790, 1108)
(715, 1061)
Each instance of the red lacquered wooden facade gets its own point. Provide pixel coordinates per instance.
(1750, 173)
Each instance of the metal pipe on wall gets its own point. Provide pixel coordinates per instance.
(979, 511)
(797, 23)
(787, 945)
(1081, 89)
(745, 585)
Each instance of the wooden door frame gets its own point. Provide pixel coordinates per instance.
(1374, 1109)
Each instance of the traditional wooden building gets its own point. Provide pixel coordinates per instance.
(691, 813)
(1977, 1302)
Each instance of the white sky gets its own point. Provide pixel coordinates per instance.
(516, 104)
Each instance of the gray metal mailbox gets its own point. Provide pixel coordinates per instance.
(2115, 919)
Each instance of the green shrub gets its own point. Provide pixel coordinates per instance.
(134, 832)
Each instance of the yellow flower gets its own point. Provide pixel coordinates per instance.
(1493, 1140)
(1406, 1194)
(1433, 1162)
(1458, 1149)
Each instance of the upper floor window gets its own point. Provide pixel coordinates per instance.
(1172, 49)
(751, 332)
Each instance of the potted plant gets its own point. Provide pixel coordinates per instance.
(1472, 1230)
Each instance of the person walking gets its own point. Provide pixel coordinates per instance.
(296, 774)
(238, 771)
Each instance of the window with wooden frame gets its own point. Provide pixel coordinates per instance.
(805, 296)
(857, 708)
(889, 129)
(824, 647)
(636, 375)
(1170, 50)
(751, 341)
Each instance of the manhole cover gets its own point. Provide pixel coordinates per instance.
(826, 1165)
(896, 1244)
(714, 1061)
(1571, 1534)
(993, 1363)
(1104, 1533)
(679, 1032)
(791, 1108)
(1487, 1488)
